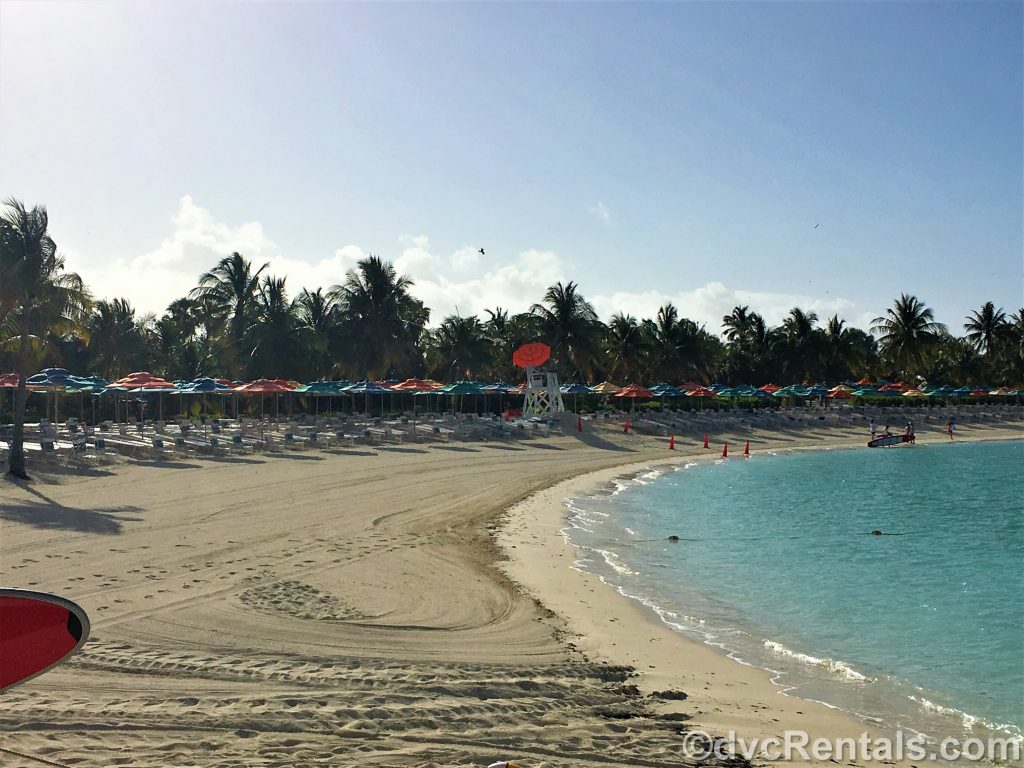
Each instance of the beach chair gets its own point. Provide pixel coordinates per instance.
(160, 450)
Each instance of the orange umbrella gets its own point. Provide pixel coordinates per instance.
(770, 388)
(839, 394)
(532, 354)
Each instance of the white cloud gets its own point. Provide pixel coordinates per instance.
(600, 210)
(457, 282)
(709, 303)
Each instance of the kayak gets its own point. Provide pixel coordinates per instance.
(886, 440)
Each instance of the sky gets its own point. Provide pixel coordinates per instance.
(826, 155)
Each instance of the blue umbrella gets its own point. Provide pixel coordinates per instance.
(367, 388)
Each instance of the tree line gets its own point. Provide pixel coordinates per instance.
(240, 322)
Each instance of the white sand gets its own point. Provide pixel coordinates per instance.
(343, 608)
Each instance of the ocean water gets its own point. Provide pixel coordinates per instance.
(778, 567)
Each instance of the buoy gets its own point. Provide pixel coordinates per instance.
(706, 440)
(746, 449)
(673, 537)
(626, 428)
(725, 450)
(671, 442)
(579, 423)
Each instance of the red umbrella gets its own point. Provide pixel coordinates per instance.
(532, 354)
(770, 388)
(634, 391)
(8, 380)
(262, 387)
(142, 379)
(702, 392)
(415, 385)
(839, 394)
(865, 383)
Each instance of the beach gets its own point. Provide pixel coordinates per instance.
(386, 606)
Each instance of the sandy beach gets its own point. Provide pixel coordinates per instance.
(374, 606)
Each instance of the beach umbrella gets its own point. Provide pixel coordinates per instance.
(262, 387)
(575, 389)
(771, 389)
(839, 394)
(914, 393)
(605, 388)
(689, 386)
(52, 380)
(416, 385)
(633, 392)
(841, 388)
(367, 388)
(462, 388)
(532, 354)
(865, 383)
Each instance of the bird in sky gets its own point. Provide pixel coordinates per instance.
(481, 252)
(815, 226)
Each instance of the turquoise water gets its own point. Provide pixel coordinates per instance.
(923, 630)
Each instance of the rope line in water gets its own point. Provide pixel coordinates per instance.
(674, 538)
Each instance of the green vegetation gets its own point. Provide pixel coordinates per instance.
(240, 322)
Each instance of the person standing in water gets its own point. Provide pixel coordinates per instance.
(873, 428)
(950, 426)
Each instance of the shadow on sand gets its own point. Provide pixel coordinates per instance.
(48, 514)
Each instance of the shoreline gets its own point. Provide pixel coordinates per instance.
(349, 606)
(725, 694)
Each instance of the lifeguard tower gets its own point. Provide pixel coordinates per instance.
(541, 396)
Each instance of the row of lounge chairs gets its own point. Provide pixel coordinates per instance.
(72, 442)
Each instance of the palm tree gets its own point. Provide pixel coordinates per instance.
(37, 298)
(382, 320)
(276, 339)
(115, 339)
(229, 291)
(570, 325)
(459, 347)
(985, 326)
(627, 345)
(317, 314)
(905, 332)
(738, 326)
(803, 347)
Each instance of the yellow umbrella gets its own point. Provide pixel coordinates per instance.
(914, 393)
(606, 388)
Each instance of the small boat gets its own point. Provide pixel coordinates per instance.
(884, 441)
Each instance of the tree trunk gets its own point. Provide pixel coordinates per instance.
(16, 465)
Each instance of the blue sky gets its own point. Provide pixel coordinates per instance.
(651, 152)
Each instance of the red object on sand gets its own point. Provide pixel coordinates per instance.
(37, 631)
(671, 442)
(725, 450)
(706, 440)
(533, 354)
(579, 423)
(626, 428)
(746, 449)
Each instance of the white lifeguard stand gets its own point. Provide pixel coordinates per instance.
(541, 395)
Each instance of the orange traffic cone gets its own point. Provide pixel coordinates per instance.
(626, 428)
(746, 449)
(579, 423)
(671, 442)
(725, 450)
(706, 440)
